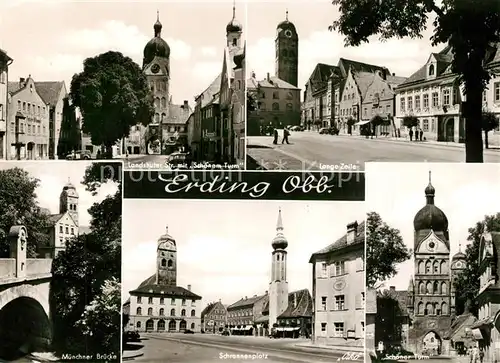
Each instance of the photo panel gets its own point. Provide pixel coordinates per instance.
(60, 261)
(159, 85)
(432, 261)
(318, 103)
(229, 266)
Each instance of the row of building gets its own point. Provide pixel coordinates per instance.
(350, 95)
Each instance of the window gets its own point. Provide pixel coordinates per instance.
(433, 125)
(150, 300)
(417, 102)
(446, 97)
(323, 302)
(139, 299)
(276, 106)
(402, 105)
(363, 327)
(323, 328)
(365, 112)
(276, 95)
(150, 311)
(183, 302)
(172, 312)
(61, 229)
(72, 231)
(162, 301)
(323, 269)
(138, 325)
(431, 70)
(339, 330)
(19, 105)
(193, 302)
(170, 263)
(289, 107)
(183, 312)
(410, 103)
(339, 268)
(24, 106)
(435, 99)
(363, 298)
(426, 125)
(339, 302)
(192, 325)
(139, 311)
(67, 230)
(426, 100)
(162, 311)
(1, 112)
(163, 262)
(496, 92)
(193, 312)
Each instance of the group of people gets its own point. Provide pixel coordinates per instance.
(476, 355)
(418, 133)
(286, 134)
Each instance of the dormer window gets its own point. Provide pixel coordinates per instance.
(431, 70)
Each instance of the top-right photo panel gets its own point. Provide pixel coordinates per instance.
(334, 85)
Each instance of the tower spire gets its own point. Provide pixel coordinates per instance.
(166, 229)
(286, 15)
(157, 15)
(279, 224)
(234, 9)
(430, 191)
(459, 247)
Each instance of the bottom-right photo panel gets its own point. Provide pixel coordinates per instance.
(433, 262)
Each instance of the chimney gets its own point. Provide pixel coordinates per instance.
(186, 105)
(392, 288)
(268, 78)
(352, 231)
(189, 287)
(21, 81)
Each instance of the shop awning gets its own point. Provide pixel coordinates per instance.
(362, 122)
(477, 334)
(287, 328)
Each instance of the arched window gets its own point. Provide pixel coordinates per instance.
(162, 300)
(161, 325)
(157, 102)
(444, 269)
(436, 267)
(150, 300)
(428, 267)
(430, 310)
(172, 312)
(435, 288)
(444, 308)
(193, 312)
(183, 312)
(277, 257)
(163, 117)
(139, 311)
(421, 267)
(150, 311)
(172, 325)
(162, 311)
(431, 70)
(163, 102)
(163, 262)
(420, 308)
(429, 288)
(289, 107)
(192, 326)
(276, 106)
(170, 263)
(138, 325)
(444, 288)
(421, 288)
(157, 117)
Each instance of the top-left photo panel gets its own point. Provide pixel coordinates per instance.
(159, 85)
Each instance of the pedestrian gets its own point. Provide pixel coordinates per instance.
(421, 134)
(286, 133)
(275, 134)
(481, 355)
(411, 134)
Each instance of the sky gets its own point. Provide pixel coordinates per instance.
(224, 247)
(53, 176)
(55, 50)
(318, 45)
(464, 192)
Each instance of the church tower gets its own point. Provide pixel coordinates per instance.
(234, 29)
(166, 261)
(432, 308)
(287, 52)
(458, 264)
(278, 288)
(68, 201)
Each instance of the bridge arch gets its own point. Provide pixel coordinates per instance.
(28, 291)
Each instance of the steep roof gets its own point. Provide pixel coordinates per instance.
(245, 302)
(342, 241)
(177, 115)
(149, 286)
(13, 87)
(347, 64)
(304, 305)
(443, 59)
(273, 82)
(211, 307)
(49, 91)
(320, 75)
(459, 322)
(364, 80)
(208, 94)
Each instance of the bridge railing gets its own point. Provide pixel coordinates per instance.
(37, 266)
(7, 267)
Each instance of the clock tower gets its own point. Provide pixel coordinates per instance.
(287, 52)
(166, 261)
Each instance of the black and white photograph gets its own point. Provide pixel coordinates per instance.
(349, 82)
(432, 269)
(60, 261)
(266, 281)
(136, 81)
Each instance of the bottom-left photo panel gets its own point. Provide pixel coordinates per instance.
(60, 261)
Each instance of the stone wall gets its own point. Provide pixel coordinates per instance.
(7, 267)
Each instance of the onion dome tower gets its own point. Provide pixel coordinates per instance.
(157, 46)
(287, 52)
(166, 260)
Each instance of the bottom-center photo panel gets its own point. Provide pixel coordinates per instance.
(266, 281)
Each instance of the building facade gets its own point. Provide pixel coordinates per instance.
(214, 318)
(5, 61)
(339, 290)
(240, 315)
(158, 304)
(487, 329)
(28, 127)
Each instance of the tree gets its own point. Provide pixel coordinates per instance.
(389, 319)
(467, 283)
(385, 249)
(470, 28)
(18, 205)
(85, 275)
(113, 95)
(70, 138)
(410, 121)
(252, 102)
(489, 123)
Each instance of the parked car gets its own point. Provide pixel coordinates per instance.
(187, 331)
(329, 131)
(324, 131)
(79, 155)
(178, 160)
(132, 336)
(296, 128)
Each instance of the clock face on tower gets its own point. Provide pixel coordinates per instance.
(431, 245)
(288, 33)
(168, 245)
(459, 264)
(155, 68)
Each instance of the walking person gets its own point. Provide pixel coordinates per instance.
(275, 134)
(411, 134)
(421, 134)
(286, 133)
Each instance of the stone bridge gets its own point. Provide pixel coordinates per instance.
(25, 318)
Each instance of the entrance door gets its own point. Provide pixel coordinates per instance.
(149, 325)
(450, 130)
(431, 344)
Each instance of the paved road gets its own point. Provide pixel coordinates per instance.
(209, 348)
(311, 151)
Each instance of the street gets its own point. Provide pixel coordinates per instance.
(208, 348)
(309, 150)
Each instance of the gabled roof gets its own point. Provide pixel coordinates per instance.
(211, 307)
(49, 91)
(443, 59)
(273, 82)
(304, 305)
(208, 94)
(13, 87)
(341, 243)
(346, 64)
(149, 286)
(320, 75)
(177, 115)
(364, 80)
(245, 302)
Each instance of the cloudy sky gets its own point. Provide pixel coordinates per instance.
(464, 192)
(55, 50)
(224, 247)
(318, 45)
(53, 175)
